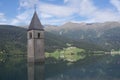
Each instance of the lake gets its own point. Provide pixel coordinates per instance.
(105, 67)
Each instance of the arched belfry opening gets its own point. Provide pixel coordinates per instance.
(35, 33)
(30, 35)
(38, 35)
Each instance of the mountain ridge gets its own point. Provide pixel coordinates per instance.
(104, 34)
(85, 26)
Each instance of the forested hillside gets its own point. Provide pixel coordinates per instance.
(13, 40)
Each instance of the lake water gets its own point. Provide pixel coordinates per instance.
(104, 67)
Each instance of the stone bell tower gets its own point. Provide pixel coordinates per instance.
(35, 36)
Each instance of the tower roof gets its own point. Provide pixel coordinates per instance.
(35, 23)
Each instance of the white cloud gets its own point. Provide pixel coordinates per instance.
(14, 22)
(103, 16)
(116, 3)
(93, 14)
(44, 15)
(28, 3)
(65, 1)
(54, 14)
(58, 21)
(46, 11)
(87, 8)
(83, 8)
(58, 11)
(3, 18)
(22, 19)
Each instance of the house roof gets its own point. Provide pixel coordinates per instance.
(35, 23)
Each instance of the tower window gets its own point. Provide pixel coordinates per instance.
(38, 35)
(30, 35)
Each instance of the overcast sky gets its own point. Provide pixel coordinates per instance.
(57, 12)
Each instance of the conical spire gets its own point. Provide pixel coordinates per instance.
(35, 23)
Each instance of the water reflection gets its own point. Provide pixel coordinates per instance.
(36, 71)
(104, 67)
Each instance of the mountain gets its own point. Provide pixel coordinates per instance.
(106, 35)
(13, 40)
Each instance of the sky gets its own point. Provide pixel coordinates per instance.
(58, 12)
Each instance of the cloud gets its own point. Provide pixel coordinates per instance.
(44, 15)
(47, 12)
(22, 18)
(103, 16)
(94, 14)
(28, 3)
(70, 10)
(65, 1)
(87, 8)
(2, 18)
(56, 10)
(83, 8)
(57, 21)
(116, 3)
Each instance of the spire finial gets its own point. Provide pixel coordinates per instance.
(35, 6)
(35, 22)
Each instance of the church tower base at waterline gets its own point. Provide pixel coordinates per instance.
(35, 36)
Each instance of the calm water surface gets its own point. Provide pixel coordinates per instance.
(105, 67)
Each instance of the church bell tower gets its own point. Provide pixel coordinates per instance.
(35, 36)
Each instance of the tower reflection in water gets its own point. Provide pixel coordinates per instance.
(36, 71)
